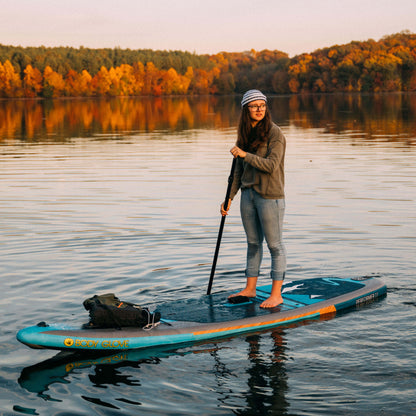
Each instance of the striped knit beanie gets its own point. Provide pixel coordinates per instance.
(252, 95)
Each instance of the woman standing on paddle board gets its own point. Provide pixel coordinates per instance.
(259, 173)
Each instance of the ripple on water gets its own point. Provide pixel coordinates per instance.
(112, 213)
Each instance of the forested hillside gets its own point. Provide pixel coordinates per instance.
(385, 65)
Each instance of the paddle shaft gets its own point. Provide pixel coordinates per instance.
(217, 248)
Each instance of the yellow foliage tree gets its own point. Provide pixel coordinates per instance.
(171, 82)
(125, 76)
(53, 83)
(32, 82)
(138, 78)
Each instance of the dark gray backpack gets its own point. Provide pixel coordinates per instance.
(108, 311)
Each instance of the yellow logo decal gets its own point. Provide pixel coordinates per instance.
(89, 343)
(86, 343)
(115, 344)
(69, 342)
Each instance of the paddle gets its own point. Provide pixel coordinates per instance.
(217, 248)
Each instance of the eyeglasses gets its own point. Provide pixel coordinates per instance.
(257, 107)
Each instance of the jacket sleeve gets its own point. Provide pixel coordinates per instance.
(274, 155)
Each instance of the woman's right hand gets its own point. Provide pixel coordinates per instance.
(225, 211)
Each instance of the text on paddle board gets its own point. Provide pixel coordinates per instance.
(89, 343)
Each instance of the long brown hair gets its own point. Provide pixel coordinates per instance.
(250, 138)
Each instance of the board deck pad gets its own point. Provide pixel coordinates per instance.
(216, 308)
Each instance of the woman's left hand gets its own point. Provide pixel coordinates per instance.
(237, 152)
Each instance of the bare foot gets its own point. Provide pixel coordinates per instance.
(245, 292)
(249, 290)
(272, 302)
(275, 298)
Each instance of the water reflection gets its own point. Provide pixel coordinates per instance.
(264, 366)
(368, 116)
(385, 116)
(267, 383)
(106, 371)
(57, 120)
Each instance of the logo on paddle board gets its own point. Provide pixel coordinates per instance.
(93, 344)
(69, 342)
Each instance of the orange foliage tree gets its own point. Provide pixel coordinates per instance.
(78, 85)
(53, 83)
(10, 83)
(101, 83)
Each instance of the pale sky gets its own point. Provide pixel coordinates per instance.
(209, 26)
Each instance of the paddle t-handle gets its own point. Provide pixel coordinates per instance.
(217, 248)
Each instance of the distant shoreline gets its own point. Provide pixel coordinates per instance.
(387, 65)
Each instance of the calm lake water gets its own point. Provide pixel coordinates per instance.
(123, 196)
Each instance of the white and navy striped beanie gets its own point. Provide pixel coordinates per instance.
(252, 95)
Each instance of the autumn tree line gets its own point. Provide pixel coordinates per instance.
(370, 66)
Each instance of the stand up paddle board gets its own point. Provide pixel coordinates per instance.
(212, 316)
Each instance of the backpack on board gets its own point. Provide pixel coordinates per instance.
(108, 311)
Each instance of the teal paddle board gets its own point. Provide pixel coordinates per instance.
(212, 316)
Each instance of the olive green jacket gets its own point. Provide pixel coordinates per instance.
(264, 170)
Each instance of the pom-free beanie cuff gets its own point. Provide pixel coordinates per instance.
(252, 95)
